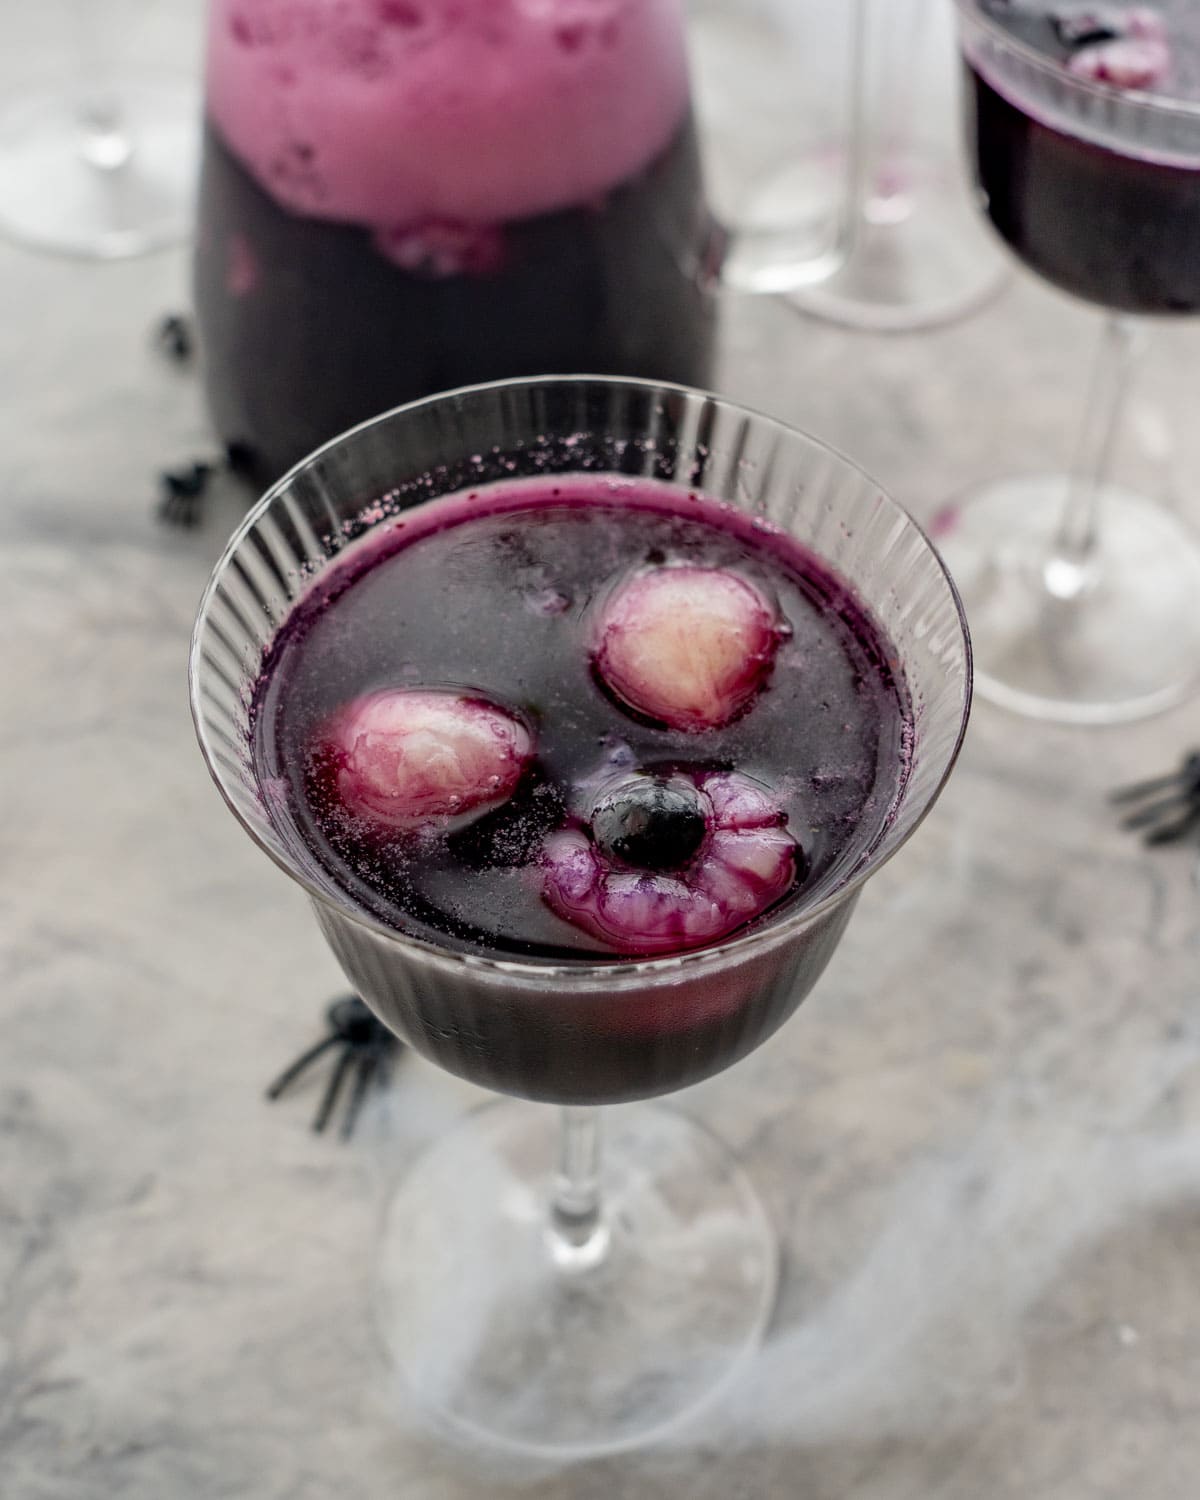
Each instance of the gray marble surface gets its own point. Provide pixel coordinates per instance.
(980, 1139)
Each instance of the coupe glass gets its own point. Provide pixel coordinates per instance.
(1082, 595)
(103, 166)
(873, 230)
(528, 1291)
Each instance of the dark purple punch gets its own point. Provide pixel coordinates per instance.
(607, 836)
(1095, 199)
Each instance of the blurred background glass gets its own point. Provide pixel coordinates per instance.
(98, 150)
(834, 158)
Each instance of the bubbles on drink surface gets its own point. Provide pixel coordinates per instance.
(584, 716)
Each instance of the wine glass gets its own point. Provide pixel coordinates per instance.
(529, 1292)
(873, 229)
(1081, 594)
(103, 166)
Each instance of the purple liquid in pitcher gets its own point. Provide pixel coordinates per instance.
(400, 198)
(495, 596)
(1085, 203)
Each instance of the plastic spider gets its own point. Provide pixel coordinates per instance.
(181, 493)
(366, 1048)
(1170, 809)
(174, 338)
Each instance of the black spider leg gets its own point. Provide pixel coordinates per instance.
(334, 1088)
(1186, 780)
(1154, 811)
(305, 1060)
(182, 493)
(1171, 833)
(368, 1066)
(174, 338)
(366, 1051)
(1140, 789)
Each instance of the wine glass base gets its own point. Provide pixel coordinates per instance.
(1126, 647)
(919, 255)
(52, 197)
(500, 1344)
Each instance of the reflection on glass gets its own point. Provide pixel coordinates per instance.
(872, 228)
(104, 163)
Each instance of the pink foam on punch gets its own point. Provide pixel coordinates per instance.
(396, 112)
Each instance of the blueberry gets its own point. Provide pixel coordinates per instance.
(650, 823)
(745, 861)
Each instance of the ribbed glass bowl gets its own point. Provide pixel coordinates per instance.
(502, 1023)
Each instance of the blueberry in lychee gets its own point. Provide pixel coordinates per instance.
(617, 888)
(650, 822)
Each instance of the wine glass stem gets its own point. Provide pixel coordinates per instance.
(104, 138)
(1073, 565)
(854, 187)
(577, 1231)
(882, 106)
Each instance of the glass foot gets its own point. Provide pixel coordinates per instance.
(1125, 647)
(920, 255)
(499, 1342)
(788, 235)
(101, 195)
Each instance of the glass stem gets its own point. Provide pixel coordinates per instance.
(1073, 565)
(810, 251)
(578, 1233)
(854, 188)
(104, 138)
(884, 195)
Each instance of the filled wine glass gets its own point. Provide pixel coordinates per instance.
(582, 709)
(1085, 131)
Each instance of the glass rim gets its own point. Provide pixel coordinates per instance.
(623, 971)
(1141, 99)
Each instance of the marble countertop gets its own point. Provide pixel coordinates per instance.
(980, 1138)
